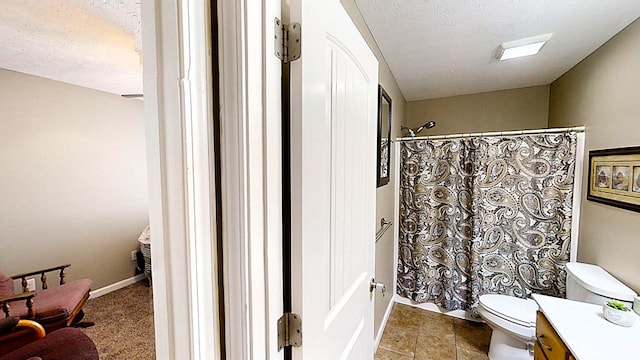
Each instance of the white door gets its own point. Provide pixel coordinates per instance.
(333, 132)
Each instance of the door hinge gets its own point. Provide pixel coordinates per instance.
(289, 330)
(287, 38)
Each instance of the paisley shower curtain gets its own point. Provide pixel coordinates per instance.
(485, 215)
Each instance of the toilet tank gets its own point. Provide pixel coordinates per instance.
(592, 284)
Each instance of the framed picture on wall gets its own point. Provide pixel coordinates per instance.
(614, 177)
(384, 137)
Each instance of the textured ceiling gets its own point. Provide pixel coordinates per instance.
(440, 48)
(435, 48)
(90, 43)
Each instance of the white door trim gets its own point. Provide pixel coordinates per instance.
(251, 178)
(178, 116)
(231, 18)
(177, 88)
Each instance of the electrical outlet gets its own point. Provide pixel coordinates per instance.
(133, 255)
(31, 284)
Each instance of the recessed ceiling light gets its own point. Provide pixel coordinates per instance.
(522, 47)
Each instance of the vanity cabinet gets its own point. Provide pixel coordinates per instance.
(548, 344)
(577, 330)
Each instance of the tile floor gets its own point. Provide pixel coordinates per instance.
(413, 333)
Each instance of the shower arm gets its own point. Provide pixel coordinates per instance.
(416, 131)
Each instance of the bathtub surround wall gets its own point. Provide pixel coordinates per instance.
(515, 109)
(485, 215)
(603, 93)
(73, 178)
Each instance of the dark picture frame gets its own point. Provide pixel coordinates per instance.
(384, 137)
(614, 177)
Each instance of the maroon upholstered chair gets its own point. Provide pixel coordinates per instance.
(15, 333)
(63, 344)
(53, 307)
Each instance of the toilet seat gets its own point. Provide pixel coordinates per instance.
(511, 314)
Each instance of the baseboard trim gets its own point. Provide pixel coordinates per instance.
(383, 323)
(460, 314)
(116, 286)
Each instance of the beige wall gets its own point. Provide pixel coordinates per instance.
(73, 178)
(603, 93)
(384, 194)
(516, 109)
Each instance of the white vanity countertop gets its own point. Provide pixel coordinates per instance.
(587, 333)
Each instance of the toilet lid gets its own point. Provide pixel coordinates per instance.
(511, 308)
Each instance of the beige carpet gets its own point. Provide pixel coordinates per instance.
(123, 323)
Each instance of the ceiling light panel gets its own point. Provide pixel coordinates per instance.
(522, 47)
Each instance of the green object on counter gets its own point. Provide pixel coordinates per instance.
(618, 305)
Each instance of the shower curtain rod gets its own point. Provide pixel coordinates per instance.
(494, 133)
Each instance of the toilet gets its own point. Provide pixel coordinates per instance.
(513, 320)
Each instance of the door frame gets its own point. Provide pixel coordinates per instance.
(181, 173)
(252, 177)
(181, 176)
